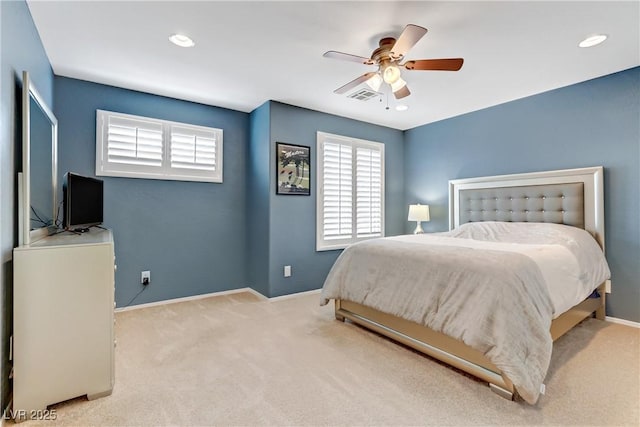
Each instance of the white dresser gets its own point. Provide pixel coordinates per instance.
(63, 335)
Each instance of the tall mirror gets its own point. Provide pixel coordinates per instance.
(38, 204)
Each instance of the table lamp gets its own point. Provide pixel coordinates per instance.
(418, 213)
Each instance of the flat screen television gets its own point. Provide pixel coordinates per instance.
(82, 202)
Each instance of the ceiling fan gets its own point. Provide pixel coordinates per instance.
(388, 56)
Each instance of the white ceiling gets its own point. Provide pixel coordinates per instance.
(249, 52)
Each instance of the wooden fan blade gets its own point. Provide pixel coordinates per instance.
(450, 64)
(409, 37)
(348, 57)
(402, 92)
(353, 83)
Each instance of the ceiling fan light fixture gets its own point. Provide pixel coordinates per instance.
(181, 40)
(398, 84)
(593, 40)
(375, 82)
(387, 57)
(391, 74)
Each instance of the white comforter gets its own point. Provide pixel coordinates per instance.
(494, 286)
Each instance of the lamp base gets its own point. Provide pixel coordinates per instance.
(418, 229)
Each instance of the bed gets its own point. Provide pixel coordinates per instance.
(563, 206)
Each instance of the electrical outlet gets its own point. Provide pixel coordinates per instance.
(145, 277)
(607, 286)
(287, 271)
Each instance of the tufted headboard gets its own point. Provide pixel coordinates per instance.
(572, 197)
(556, 203)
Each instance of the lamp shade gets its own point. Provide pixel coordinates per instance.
(391, 74)
(375, 82)
(397, 85)
(418, 213)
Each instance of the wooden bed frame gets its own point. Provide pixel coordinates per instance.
(455, 352)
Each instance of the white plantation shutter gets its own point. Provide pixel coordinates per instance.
(139, 147)
(368, 192)
(192, 151)
(350, 200)
(337, 197)
(134, 142)
(196, 150)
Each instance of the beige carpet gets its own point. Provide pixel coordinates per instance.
(238, 360)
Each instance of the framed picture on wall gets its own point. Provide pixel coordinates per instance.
(293, 169)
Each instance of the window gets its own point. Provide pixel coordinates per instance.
(139, 147)
(350, 195)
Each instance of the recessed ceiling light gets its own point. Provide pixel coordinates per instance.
(593, 40)
(181, 40)
(402, 107)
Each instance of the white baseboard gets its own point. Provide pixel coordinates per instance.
(622, 322)
(215, 294)
(183, 299)
(256, 293)
(297, 294)
(285, 297)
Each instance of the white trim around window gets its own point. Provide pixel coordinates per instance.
(350, 191)
(139, 147)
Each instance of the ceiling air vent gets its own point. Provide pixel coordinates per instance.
(364, 94)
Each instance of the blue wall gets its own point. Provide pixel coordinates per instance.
(190, 235)
(20, 49)
(292, 239)
(588, 124)
(258, 206)
(200, 237)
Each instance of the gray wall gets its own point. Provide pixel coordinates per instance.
(190, 235)
(20, 49)
(292, 219)
(588, 124)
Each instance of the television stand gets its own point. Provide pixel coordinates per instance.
(63, 336)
